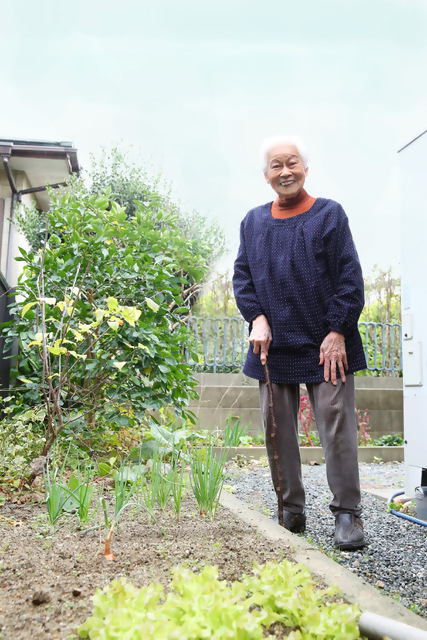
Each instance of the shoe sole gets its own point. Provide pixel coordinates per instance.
(299, 530)
(293, 529)
(349, 546)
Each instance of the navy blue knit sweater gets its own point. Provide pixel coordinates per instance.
(304, 275)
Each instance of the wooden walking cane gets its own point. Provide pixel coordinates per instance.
(274, 440)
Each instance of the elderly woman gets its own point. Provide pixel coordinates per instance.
(298, 283)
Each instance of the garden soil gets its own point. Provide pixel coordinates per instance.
(47, 579)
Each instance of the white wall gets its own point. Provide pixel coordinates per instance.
(12, 239)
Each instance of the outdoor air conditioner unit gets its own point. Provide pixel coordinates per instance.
(413, 190)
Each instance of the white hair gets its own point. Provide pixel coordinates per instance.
(269, 143)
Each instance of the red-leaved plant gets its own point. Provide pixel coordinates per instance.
(363, 427)
(306, 420)
(309, 438)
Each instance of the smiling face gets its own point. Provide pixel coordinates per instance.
(285, 171)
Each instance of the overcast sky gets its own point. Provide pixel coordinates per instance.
(196, 86)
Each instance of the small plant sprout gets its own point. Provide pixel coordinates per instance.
(125, 483)
(166, 479)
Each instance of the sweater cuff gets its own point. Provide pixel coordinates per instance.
(252, 313)
(337, 329)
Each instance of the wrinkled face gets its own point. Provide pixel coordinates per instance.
(285, 171)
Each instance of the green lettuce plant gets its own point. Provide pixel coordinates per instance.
(201, 606)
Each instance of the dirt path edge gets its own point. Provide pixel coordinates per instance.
(355, 590)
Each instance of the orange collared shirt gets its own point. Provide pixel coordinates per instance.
(302, 203)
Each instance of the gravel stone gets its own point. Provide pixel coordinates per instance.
(395, 554)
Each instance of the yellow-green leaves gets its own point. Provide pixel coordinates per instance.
(66, 304)
(152, 305)
(116, 314)
(26, 308)
(25, 380)
(82, 356)
(130, 315)
(38, 340)
(99, 315)
(30, 305)
(77, 335)
(57, 350)
(114, 323)
(112, 304)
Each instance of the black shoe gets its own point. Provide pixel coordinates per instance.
(294, 522)
(348, 532)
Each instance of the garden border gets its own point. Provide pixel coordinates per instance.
(315, 454)
(352, 587)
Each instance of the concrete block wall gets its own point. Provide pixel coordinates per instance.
(222, 395)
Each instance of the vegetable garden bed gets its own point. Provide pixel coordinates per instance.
(48, 577)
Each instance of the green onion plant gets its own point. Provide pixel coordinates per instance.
(82, 493)
(57, 495)
(207, 476)
(178, 482)
(233, 432)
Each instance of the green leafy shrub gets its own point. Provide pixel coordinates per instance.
(393, 440)
(21, 438)
(99, 324)
(201, 606)
(252, 441)
(131, 184)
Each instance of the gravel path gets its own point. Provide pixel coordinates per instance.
(394, 559)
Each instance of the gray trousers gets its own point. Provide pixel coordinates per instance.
(334, 412)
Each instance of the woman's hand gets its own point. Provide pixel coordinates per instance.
(261, 337)
(333, 354)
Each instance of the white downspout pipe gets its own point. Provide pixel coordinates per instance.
(377, 627)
